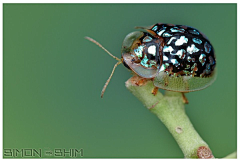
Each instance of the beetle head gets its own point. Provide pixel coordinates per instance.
(141, 52)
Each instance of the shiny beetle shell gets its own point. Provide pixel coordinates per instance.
(179, 58)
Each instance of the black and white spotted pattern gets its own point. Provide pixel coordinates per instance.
(186, 51)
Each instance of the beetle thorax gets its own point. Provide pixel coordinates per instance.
(147, 51)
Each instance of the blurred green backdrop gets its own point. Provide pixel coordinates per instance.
(53, 78)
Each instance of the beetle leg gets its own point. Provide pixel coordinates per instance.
(154, 91)
(138, 81)
(141, 82)
(185, 100)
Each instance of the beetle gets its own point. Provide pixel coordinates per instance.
(176, 57)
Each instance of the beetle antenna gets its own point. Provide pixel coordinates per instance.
(107, 82)
(94, 41)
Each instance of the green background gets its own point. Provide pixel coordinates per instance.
(53, 78)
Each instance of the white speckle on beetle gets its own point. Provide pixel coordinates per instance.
(192, 49)
(147, 39)
(181, 41)
(171, 39)
(176, 29)
(160, 32)
(196, 40)
(166, 35)
(138, 51)
(168, 49)
(207, 47)
(189, 59)
(163, 29)
(155, 28)
(202, 59)
(165, 58)
(163, 67)
(181, 53)
(175, 62)
(152, 50)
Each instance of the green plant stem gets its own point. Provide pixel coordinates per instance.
(169, 108)
(231, 156)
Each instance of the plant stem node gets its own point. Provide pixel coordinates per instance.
(204, 152)
(179, 129)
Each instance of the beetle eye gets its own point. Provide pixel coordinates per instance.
(124, 63)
